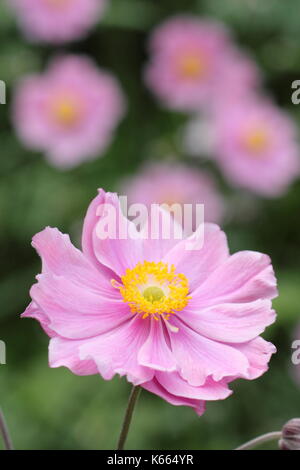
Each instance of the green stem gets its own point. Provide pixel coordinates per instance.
(5, 433)
(270, 436)
(134, 394)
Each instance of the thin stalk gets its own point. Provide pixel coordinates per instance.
(134, 394)
(270, 436)
(5, 433)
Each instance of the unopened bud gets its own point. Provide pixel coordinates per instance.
(290, 439)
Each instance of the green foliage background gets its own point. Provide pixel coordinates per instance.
(53, 409)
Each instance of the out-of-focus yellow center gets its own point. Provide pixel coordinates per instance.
(65, 111)
(169, 198)
(57, 3)
(154, 289)
(256, 141)
(191, 66)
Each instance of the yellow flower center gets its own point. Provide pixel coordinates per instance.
(65, 111)
(153, 294)
(170, 197)
(256, 141)
(154, 289)
(191, 66)
(57, 3)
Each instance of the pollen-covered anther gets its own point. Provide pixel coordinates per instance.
(154, 289)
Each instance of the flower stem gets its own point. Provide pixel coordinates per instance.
(134, 394)
(5, 433)
(270, 436)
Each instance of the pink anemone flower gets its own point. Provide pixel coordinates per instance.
(70, 112)
(174, 183)
(57, 21)
(181, 323)
(187, 61)
(256, 146)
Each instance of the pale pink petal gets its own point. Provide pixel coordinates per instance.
(73, 311)
(233, 323)
(155, 352)
(116, 352)
(154, 387)
(89, 225)
(61, 258)
(176, 385)
(199, 358)
(198, 264)
(244, 277)
(162, 233)
(65, 353)
(258, 352)
(118, 250)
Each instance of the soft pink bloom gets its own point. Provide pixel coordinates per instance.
(69, 112)
(194, 63)
(57, 21)
(182, 324)
(187, 57)
(240, 79)
(170, 183)
(256, 146)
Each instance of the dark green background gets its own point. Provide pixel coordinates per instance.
(53, 409)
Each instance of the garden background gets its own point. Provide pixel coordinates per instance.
(52, 408)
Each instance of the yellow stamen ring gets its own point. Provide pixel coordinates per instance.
(154, 289)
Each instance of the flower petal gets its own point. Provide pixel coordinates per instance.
(199, 357)
(110, 237)
(61, 258)
(116, 352)
(197, 264)
(258, 352)
(155, 352)
(89, 224)
(244, 277)
(161, 233)
(176, 385)
(230, 323)
(75, 312)
(154, 386)
(65, 353)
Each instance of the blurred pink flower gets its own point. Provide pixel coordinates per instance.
(240, 79)
(171, 183)
(187, 58)
(182, 324)
(256, 146)
(57, 21)
(194, 63)
(69, 112)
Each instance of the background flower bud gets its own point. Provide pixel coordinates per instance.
(290, 435)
